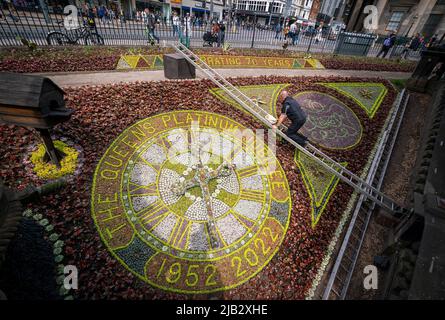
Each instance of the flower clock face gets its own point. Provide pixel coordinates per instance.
(187, 204)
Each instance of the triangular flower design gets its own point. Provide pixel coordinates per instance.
(308, 64)
(122, 64)
(132, 60)
(264, 95)
(158, 63)
(297, 64)
(315, 63)
(368, 96)
(142, 63)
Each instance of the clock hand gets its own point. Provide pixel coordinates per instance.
(224, 170)
(180, 188)
(202, 178)
(210, 218)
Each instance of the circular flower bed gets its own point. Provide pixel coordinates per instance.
(331, 123)
(219, 230)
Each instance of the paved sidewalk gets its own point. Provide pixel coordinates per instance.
(109, 77)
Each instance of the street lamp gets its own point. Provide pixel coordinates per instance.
(270, 11)
(287, 8)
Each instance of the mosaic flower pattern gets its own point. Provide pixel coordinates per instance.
(264, 95)
(330, 123)
(319, 183)
(368, 96)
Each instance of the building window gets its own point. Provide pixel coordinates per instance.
(242, 5)
(394, 21)
(431, 25)
(276, 8)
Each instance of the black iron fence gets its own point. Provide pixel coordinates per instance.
(23, 25)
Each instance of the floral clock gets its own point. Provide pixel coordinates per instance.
(185, 202)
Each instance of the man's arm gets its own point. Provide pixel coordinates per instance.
(280, 121)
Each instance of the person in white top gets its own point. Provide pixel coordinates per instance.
(144, 17)
(293, 29)
(187, 25)
(319, 34)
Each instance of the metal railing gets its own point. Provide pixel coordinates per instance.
(345, 263)
(32, 24)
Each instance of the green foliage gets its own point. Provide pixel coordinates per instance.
(399, 84)
(30, 45)
(226, 47)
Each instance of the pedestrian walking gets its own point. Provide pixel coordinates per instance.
(10, 7)
(388, 43)
(144, 17)
(90, 21)
(101, 13)
(187, 30)
(432, 41)
(215, 29)
(122, 16)
(413, 45)
(111, 14)
(278, 29)
(293, 33)
(221, 33)
(319, 34)
(151, 24)
(292, 110)
(285, 32)
(176, 22)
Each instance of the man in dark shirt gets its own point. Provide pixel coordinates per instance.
(292, 111)
(151, 24)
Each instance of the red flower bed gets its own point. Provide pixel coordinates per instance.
(65, 59)
(103, 112)
(366, 64)
(106, 58)
(61, 65)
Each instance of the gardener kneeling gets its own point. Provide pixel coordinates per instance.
(292, 110)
